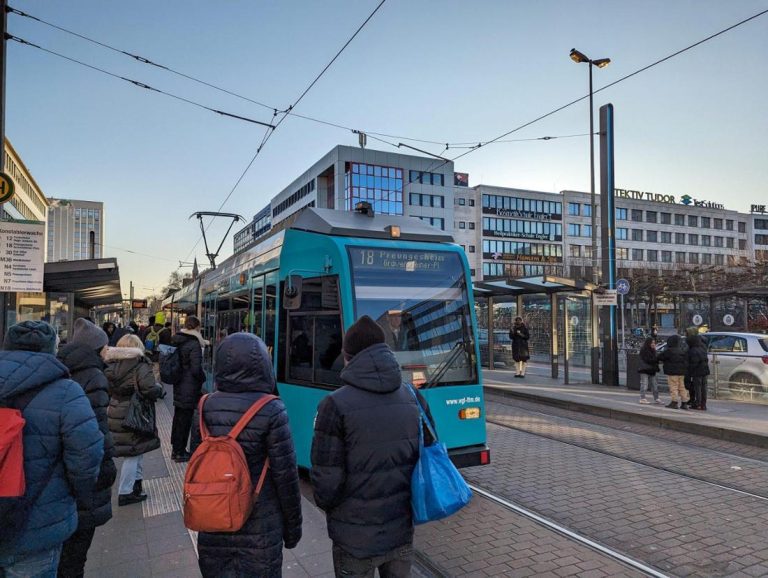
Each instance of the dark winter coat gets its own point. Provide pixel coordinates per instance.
(165, 336)
(63, 448)
(674, 357)
(520, 335)
(649, 364)
(87, 369)
(364, 450)
(187, 392)
(128, 369)
(243, 376)
(698, 363)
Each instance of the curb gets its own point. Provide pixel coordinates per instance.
(736, 436)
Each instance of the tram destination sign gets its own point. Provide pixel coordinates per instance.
(21, 256)
(397, 259)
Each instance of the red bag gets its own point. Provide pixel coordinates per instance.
(218, 493)
(12, 484)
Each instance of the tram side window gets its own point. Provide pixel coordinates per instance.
(311, 336)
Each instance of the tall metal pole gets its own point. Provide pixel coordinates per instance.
(595, 277)
(4, 301)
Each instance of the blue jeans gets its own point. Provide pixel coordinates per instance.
(130, 472)
(42, 564)
(646, 381)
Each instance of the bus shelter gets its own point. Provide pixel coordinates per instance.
(557, 310)
(743, 309)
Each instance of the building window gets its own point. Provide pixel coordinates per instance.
(693, 221)
(652, 236)
(586, 231)
(706, 240)
(706, 258)
(742, 244)
(666, 256)
(650, 217)
(381, 186)
(729, 224)
(423, 200)
(666, 219)
(680, 238)
(588, 252)
(472, 272)
(653, 255)
(300, 194)
(693, 258)
(742, 227)
(718, 223)
(761, 239)
(637, 235)
(679, 257)
(693, 239)
(637, 215)
(462, 201)
(637, 254)
(622, 253)
(621, 233)
(719, 259)
(587, 211)
(621, 214)
(705, 223)
(472, 204)
(573, 209)
(679, 220)
(666, 237)
(462, 225)
(471, 224)
(434, 221)
(471, 248)
(574, 230)
(729, 242)
(426, 178)
(718, 241)
(761, 224)
(575, 250)
(520, 204)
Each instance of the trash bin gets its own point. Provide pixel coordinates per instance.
(633, 364)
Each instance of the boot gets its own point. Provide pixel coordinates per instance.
(684, 405)
(127, 499)
(672, 405)
(137, 489)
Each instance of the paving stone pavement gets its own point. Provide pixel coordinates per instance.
(679, 525)
(486, 539)
(745, 474)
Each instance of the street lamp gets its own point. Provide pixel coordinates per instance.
(578, 58)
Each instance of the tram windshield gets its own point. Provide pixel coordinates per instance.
(420, 300)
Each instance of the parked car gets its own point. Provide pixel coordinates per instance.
(742, 359)
(502, 346)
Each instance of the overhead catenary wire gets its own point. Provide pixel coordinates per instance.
(135, 82)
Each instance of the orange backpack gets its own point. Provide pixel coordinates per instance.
(218, 493)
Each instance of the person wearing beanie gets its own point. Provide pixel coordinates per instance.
(63, 450)
(364, 450)
(82, 356)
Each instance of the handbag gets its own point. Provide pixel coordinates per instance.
(140, 418)
(437, 488)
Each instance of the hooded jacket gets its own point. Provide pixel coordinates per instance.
(243, 376)
(187, 392)
(365, 447)
(698, 363)
(63, 448)
(674, 357)
(649, 363)
(128, 370)
(87, 369)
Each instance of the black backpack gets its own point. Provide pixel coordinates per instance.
(170, 366)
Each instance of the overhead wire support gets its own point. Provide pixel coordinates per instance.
(135, 82)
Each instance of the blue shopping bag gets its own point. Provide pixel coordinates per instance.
(437, 488)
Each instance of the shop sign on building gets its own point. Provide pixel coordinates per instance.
(22, 246)
(522, 235)
(686, 200)
(760, 209)
(515, 213)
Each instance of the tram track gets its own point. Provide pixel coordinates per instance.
(571, 535)
(640, 462)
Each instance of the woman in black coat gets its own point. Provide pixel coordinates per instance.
(520, 335)
(649, 367)
(698, 369)
(187, 392)
(81, 356)
(244, 375)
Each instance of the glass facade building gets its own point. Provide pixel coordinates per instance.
(380, 186)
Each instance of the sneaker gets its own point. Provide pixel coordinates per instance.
(644, 401)
(672, 405)
(127, 499)
(658, 401)
(518, 375)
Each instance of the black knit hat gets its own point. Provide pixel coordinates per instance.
(37, 336)
(361, 335)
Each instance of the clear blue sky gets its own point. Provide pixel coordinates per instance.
(439, 70)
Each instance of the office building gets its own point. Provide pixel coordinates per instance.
(75, 230)
(758, 239)
(28, 203)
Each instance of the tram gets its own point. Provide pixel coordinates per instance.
(303, 285)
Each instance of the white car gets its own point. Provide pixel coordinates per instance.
(742, 358)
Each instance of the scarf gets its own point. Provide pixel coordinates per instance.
(196, 333)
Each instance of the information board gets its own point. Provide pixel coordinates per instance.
(605, 299)
(22, 246)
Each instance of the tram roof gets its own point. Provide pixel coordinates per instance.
(355, 224)
(529, 285)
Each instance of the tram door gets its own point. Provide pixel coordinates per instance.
(263, 313)
(208, 323)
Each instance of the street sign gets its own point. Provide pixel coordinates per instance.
(6, 188)
(21, 256)
(622, 286)
(605, 299)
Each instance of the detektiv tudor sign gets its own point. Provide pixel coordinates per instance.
(669, 199)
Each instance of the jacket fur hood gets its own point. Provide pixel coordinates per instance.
(120, 353)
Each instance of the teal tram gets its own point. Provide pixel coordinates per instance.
(303, 285)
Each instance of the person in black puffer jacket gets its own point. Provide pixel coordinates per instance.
(698, 369)
(365, 447)
(649, 367)
(188, 391)
(675, 360)
(243, 376)
(81, 356)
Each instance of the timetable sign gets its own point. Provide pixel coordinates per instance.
(21, 256)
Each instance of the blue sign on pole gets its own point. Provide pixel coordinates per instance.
(622, 286)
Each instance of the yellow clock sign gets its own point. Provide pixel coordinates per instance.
(6, 188)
